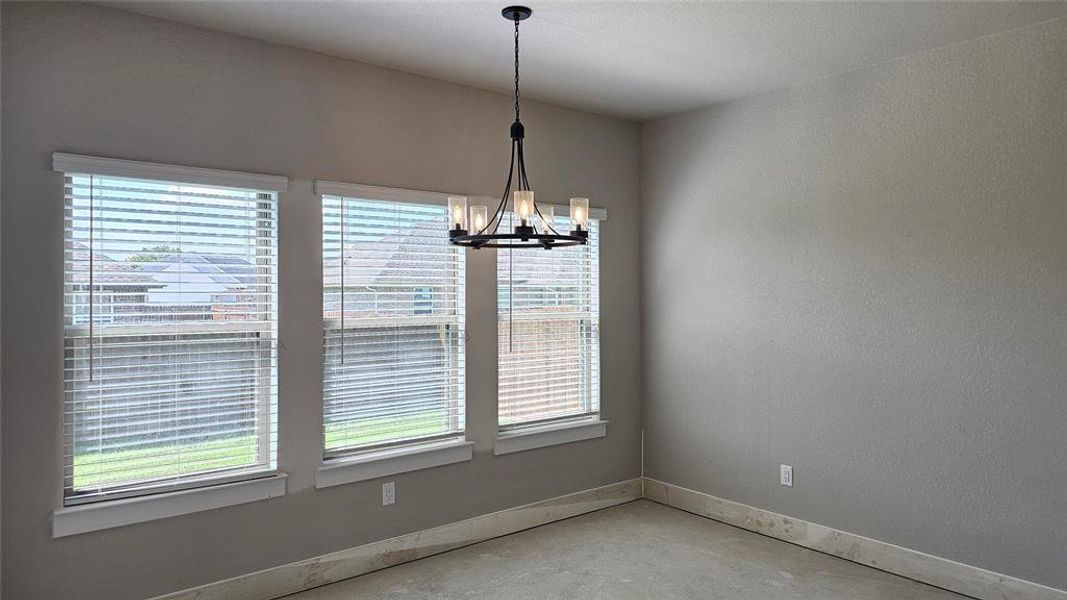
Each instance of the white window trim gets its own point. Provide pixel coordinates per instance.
(535, 435)
(543, 436)
(411, 455)
(116, 167)
(374, 192)
(402, 459)
(116, 513)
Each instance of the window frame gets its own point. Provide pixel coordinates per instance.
(359, 463)
(155, 492)
(550, 431)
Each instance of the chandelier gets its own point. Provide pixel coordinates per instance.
(535, 228)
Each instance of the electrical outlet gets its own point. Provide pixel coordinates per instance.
(786, 473)
(388, 493)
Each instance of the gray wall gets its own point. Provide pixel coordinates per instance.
(91, 80)
(865, 277)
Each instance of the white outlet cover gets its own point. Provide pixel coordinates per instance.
(786, 473)
(388, 493)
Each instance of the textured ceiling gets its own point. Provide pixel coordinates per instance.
(637, 60)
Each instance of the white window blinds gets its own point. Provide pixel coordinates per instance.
(548, 308)
(170, 334)
(393, 321)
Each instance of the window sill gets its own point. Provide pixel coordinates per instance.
(127, 511)
(373, 465)
(549, 435)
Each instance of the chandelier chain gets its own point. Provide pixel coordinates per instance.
(516, 70)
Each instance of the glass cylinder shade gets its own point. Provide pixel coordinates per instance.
(457, 213)
(479, 218)
(580, 213)
(547, 214)
(524, 204)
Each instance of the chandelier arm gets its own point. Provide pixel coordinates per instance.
(518, 162)
(524, 182)
(522, 166)
(498, 216)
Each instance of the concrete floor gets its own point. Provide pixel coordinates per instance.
(637, 550)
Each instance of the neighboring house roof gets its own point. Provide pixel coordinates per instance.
(229, 271)
(106, 270)
(385, 262)
(382, 262)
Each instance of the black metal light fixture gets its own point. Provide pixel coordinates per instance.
(535, 228)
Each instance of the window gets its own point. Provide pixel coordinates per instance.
(548, 314)
(170, 330)
(393, 322)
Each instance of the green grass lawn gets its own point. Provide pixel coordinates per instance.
(386, 428)
(93, 469)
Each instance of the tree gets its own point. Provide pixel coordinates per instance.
(153, 253)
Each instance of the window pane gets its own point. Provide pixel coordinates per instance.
(170, 334)
(393, 324)
(548, 327)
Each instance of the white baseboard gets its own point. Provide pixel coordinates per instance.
(321, 570)
(330, 568)
(940, 572)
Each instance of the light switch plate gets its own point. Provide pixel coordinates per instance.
(388, 493)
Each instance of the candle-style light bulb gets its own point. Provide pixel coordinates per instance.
(580, 213)
(479, 218)
(547, 214)
(457, 213)
(524, 205)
